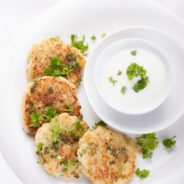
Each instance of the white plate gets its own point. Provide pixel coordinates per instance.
(68, 17)
(168, 112)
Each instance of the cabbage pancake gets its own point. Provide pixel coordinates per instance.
(107, 157)
(53, 57)
(56, 144)
(45, 98)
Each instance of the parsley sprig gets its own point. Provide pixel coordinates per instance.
(134, 70)
(35, 119)
(133, 52)
(112, 80)
(142, 173)
(169, 142)
(148, 143)
(58, 68)
(79, 44)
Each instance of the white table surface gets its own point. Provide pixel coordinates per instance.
(14, 14)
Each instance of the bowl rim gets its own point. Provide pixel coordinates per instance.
(148, 45)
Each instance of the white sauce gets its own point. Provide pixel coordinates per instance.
(145, 99)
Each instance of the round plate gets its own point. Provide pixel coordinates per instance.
(168, 112)
(83, 17)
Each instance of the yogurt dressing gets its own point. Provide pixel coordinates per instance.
(145, 99)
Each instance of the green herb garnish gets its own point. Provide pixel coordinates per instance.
(169, 142)
(142, 173)
(119, 72)
(141, 84)
(112, 81)
(39, 147)
(100, 123)
(50, 112)
(123, 90)
(35, 119)
(66, 164)
(58, 68)
(121, 169)
(133, 71)
(133, 52)
(93, 37)
(56, 131)
(147, 143)
(79, 44)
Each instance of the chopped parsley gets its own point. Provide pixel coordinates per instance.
(100, 123)
(56, 131)
(66, 164)
(112, 81)
(39, 147)
(142, 173)
(77, 130)
(134, 70)
(58, 68)
(79, 44)
(35, 119)
(50, 112)
(148, 143)
(123, 90)
(93, 37)
(141, 84)
(169, 142)
(119, 72)
(133, 52)
(121, 169)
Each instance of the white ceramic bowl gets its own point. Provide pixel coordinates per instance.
(163, 116)
(144, 101)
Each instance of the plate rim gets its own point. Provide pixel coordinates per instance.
(25, 28)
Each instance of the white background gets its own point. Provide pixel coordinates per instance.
(14, 14)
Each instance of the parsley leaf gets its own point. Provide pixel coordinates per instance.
(142, 173)
(141, 84)
(147, 143)
(133, 52)
(121, 169)
(79, 44)
(93, 37)
(133, 71)
(39, 147)
(35, 119)
(123, 90)
(77, 130)
(169, 142)
(55, 132)
(50, 112)
(58, 68)
(66, 164)
(119, 72)
(100, 123)
(112, 81)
